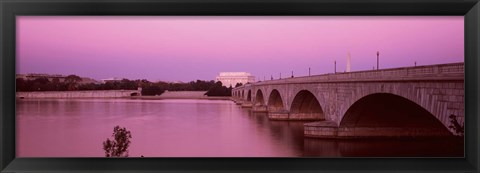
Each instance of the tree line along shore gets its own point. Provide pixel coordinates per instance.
(74, 83)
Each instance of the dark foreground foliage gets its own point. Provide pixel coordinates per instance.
(118, 147)
(460, 129)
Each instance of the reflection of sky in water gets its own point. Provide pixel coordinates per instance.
(172, 128)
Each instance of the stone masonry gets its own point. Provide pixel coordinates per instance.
(439, 89)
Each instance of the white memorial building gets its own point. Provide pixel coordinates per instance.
(232, 78)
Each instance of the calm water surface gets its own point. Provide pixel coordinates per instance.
(188, 128)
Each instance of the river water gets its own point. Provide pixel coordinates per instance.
(189, 128)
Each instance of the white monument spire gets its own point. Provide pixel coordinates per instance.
(348, 62)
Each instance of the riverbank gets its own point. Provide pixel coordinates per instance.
(163, 98)
(129, 94)
(183, 95)
(78, 94)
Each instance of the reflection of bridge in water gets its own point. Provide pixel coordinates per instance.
(412, 101)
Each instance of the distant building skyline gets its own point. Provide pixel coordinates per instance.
(51, 77)
(86, 79)
(188, 48)
(112, 79)
(232, 78)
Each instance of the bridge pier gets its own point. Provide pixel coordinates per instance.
(259, 108)
(278, 115)
(305, 116)
(286, 115)
(246, 104)
(330, 129)
(238, 102)
(321, 129)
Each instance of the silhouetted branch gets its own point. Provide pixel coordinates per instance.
(118, 147)
(459, 129)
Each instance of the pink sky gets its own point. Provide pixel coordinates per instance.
(175, 48)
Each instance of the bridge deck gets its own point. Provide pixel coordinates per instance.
(444, 72)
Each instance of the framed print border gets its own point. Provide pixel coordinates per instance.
(9, 9)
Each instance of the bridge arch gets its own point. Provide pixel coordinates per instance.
(275, 101)
(249, 95)
(305, 104)
(382, 112)
(259, 99)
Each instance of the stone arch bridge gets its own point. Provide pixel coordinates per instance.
(411, 101)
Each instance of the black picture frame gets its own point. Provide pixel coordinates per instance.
(11, 8)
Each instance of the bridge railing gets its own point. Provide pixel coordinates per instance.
(453, 71)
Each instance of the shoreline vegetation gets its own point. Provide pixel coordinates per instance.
(46, 83)
(112, 94)
(180, 98)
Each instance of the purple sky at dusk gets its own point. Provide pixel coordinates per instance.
(175, 48)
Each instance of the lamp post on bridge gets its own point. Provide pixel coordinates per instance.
(308, 71)
(292, 73)
(280, 75)
(334, 66)
(378, 54)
